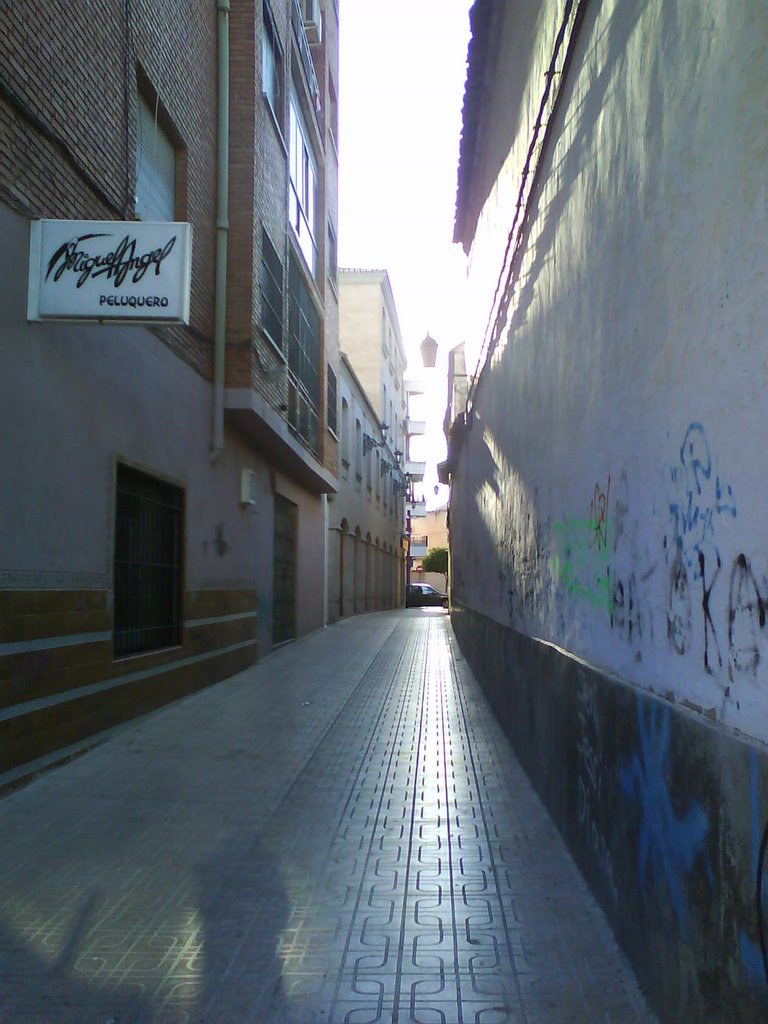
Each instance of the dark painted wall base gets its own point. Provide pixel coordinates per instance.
(662, 810)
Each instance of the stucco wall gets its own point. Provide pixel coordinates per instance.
(77, 398)
(614, 461)
(362, 520)
(609, 566)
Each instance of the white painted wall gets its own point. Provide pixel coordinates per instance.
(610, 496)
(77, 398)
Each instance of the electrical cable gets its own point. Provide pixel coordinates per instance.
(574, 13)
(24, 110)
(128, 199)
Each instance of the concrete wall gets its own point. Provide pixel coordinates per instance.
(662, 813)
(608, 499)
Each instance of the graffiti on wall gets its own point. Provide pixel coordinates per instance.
(698, 500)
(590, 782)
(683, 581)
(670, 843)
(632, 568)
(581, 567)
(754, 957)
(697, 495)
(747, 640)
(598, 515)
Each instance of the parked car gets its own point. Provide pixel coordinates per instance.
(419, 595)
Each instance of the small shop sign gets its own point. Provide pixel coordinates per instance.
(109, 270)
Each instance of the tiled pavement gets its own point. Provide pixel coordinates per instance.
(339, 834)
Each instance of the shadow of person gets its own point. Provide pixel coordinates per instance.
(67, 985)
(244, 911)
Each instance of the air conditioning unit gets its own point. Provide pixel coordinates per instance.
(313, 22)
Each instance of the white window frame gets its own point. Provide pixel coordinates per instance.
(302, 187)
(272, 67)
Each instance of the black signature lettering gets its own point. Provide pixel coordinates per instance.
(116, 265)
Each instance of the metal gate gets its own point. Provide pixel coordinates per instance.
(284, 571)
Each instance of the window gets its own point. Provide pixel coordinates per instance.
(332, 402)
(358, 450)
(304, 392)
(302, 188)
(155, 166)
(271, 291)
(333, 258)
(272, 66)
(345, 432)
(148, 563)
(333, 119)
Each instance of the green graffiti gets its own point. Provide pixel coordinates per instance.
(581, 567)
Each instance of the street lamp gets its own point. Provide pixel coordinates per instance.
(428, 349)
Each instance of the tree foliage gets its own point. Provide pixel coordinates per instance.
(436, 560)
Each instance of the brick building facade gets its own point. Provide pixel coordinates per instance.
(153, 535)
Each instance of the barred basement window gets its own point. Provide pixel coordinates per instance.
(332, 400)
(271, 291)
(149, 516)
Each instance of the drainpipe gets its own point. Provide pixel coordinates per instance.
(222, 229)
(326, 518)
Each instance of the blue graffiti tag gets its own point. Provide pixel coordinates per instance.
(696, 499)
(751, 953)
(668, 844)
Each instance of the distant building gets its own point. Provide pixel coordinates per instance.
(366, 557)
(367, 518)
(608, 483)
(163, 506)
(432, 531)
(370, 336)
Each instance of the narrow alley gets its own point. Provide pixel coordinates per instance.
(340, 833)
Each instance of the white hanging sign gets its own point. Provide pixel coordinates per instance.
(109, 270)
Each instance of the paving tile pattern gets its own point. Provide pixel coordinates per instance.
(340, 834)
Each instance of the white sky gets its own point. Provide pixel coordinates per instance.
(401, 89)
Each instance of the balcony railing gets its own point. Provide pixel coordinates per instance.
(303, 418)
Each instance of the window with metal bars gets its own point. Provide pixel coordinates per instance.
(304, 385)
(271, 291)
(149, 519)
(332, 402)
(272, 65)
